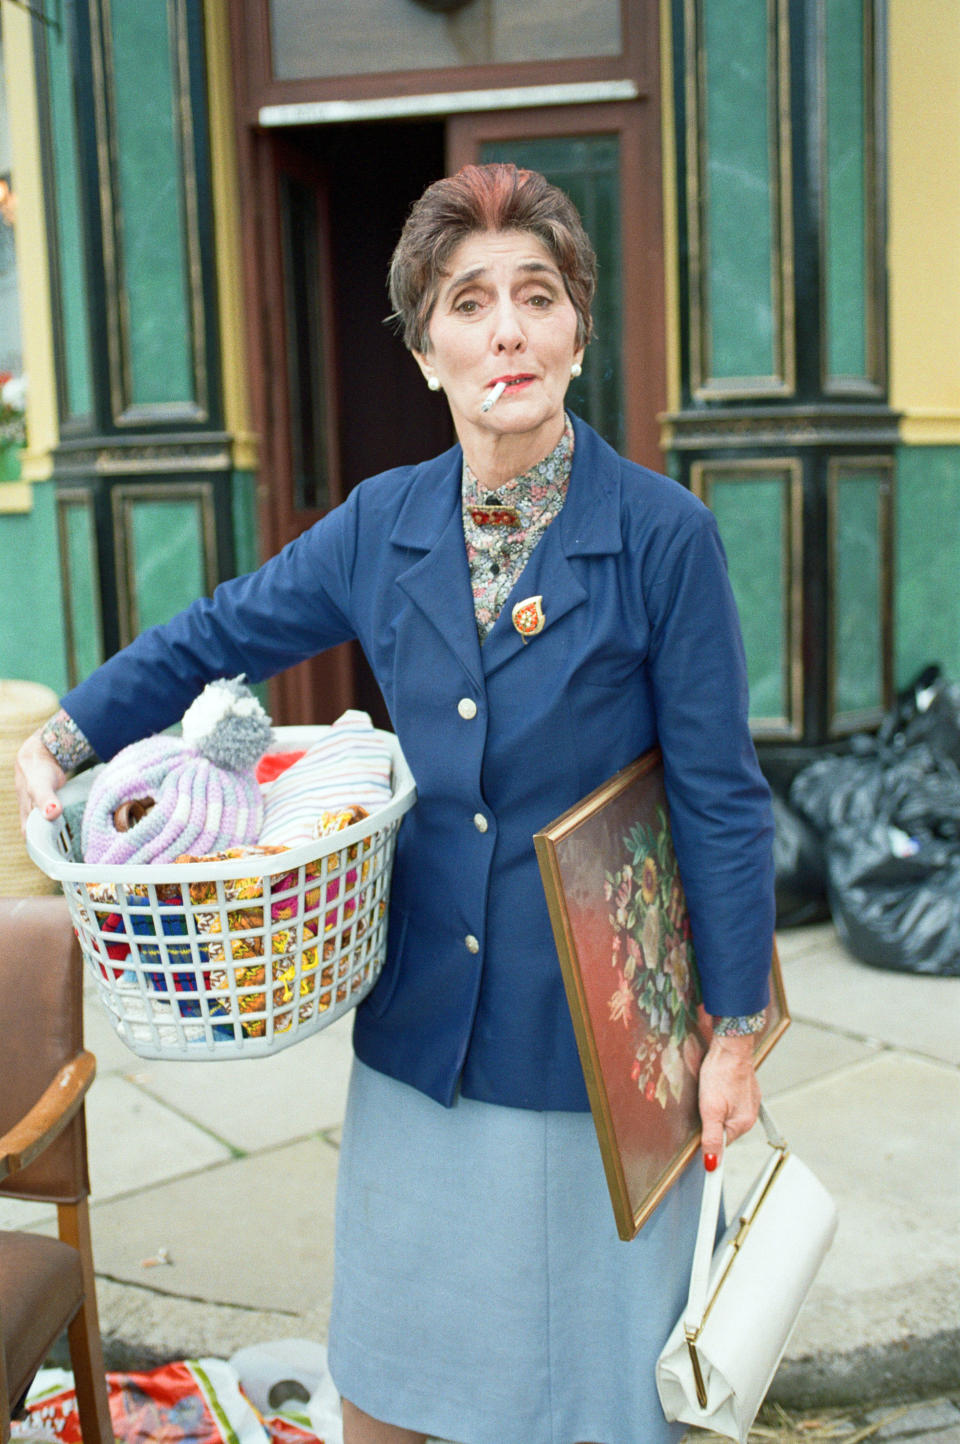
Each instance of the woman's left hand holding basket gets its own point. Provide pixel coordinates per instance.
(38, 777)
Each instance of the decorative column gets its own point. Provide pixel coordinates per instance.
(144, 464)
(783, 424)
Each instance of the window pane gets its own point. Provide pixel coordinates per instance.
(752, 514)
(71, 292)
(857, 594)
(149, 181)
(740, 185)
(588, 169)
(845, 231)
(167, 568)
(333, 37)
(927, 563)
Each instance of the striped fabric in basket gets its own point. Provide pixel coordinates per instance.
(349, 765)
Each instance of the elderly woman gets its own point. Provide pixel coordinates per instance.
(481, 1292)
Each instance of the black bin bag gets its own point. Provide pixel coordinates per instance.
(800, 869)
(889, 818)
(895, 900)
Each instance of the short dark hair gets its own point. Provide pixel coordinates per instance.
(497, 197)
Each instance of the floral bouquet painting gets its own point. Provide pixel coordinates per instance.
(620, 921)
(655, 995)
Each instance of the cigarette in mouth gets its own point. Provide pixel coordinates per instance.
(494, 396)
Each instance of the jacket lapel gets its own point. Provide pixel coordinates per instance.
(437, 581)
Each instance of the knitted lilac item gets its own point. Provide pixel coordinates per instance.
(206, 797)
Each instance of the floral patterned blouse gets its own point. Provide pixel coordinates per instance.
(501, 527)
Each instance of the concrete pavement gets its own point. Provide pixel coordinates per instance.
(213, 1186)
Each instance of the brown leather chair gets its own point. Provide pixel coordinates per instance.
(46, 1284)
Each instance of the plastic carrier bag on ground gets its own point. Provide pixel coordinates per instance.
(193, 1401)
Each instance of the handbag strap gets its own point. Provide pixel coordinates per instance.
(707, 1230)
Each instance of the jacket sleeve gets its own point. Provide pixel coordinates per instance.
(720, 810)
(291, 608)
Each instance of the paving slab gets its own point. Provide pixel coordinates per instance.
(259, 1102)
(135, 1141)
(797, 942)
(938, 1421)
(255, 1233)
(925, 1421)
(884, 1137)
(808, 1051)
(143, 1328)
(823, 983)
(248, 1103)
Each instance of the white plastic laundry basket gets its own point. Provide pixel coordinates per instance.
(238, 958)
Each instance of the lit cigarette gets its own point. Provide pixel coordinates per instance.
(494, 396)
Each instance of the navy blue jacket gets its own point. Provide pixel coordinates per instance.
(641, 645)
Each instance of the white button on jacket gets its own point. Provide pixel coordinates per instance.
(467, 708)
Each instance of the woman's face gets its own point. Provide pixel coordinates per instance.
(502, 313)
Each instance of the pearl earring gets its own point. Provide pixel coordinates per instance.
(433, 383)
(576, 369)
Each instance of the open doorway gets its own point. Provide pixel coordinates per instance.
(376, 172)
(342, 398)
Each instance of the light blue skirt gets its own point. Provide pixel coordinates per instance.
(481, 1293)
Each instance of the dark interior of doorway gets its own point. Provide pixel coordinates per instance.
(385, 415)
(374, 174)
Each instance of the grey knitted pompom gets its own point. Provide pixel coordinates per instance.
(227, 724)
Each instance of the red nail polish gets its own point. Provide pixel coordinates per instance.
(709, 1161)
(51, 809)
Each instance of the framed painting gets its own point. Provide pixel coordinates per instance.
(623, 935)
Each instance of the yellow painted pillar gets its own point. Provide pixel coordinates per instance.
(30, 239)
(671, 244)
(226, 206)
(924, 218)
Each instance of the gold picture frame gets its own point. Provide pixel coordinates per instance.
(623, 936)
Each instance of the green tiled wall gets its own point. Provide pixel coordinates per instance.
(739, 255)
(844, 191)
(752, 513)
(72, 289)
(927, 560)
(31, 638)
(151, 204)
(857, 630)
(167, 543)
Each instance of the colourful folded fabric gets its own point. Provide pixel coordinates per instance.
(349, 765)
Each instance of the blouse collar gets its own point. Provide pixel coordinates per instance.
(552, 473)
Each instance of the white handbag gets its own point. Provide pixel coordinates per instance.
(746, 1293)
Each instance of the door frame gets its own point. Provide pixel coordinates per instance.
(320, 689)
(638, 59)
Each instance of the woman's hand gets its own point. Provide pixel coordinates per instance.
(729, 1093)
(38, 777)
